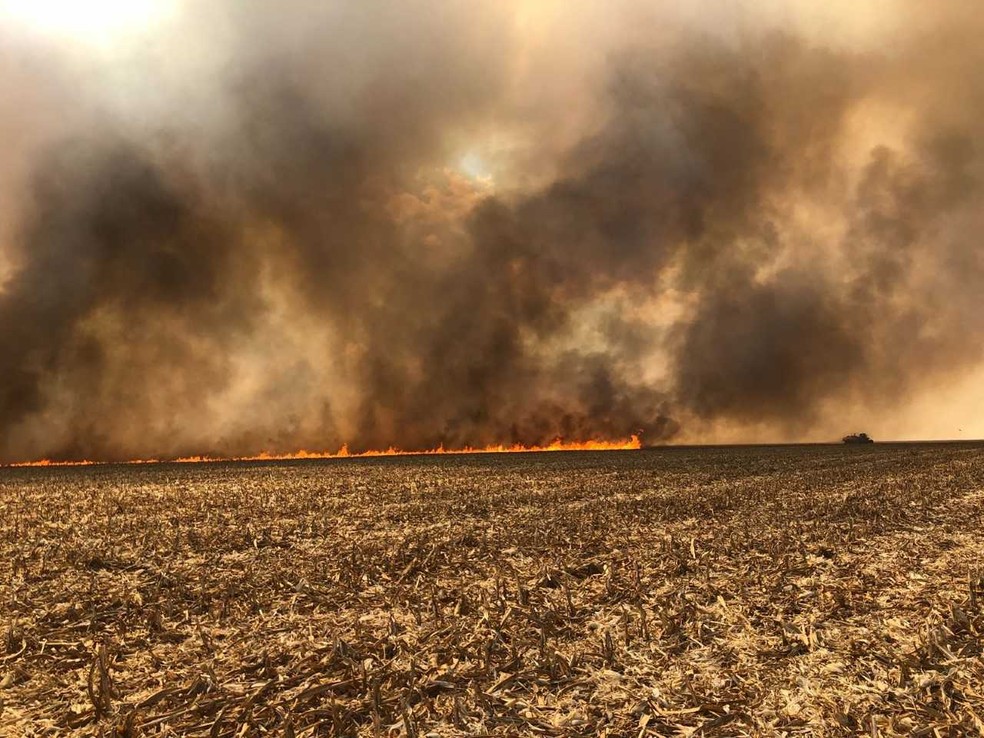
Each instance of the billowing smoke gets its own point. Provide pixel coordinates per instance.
(285, 225)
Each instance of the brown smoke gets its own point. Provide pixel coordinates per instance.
(297, 225)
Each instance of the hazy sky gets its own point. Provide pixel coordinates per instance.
(230, 227)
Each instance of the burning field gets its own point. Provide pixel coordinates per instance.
(809, 590)
(418, 238)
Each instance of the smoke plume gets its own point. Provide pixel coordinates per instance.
(285, 225)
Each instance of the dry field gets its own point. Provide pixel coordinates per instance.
(821, 591)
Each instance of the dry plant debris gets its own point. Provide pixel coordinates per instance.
(822, 591)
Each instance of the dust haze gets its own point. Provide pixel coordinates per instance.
(269, 226)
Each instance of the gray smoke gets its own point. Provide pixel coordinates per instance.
(264, 238)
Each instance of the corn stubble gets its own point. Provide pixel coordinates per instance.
(719, 592)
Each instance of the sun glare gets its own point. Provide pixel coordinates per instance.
(472, 165)
(96, 21)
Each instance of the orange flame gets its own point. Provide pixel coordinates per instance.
(343, 453)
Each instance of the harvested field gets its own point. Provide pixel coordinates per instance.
(818, 590)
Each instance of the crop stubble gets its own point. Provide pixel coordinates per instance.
(733, 591)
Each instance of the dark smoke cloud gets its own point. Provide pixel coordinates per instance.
(265, 244)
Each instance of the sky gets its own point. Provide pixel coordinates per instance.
(236, 227)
